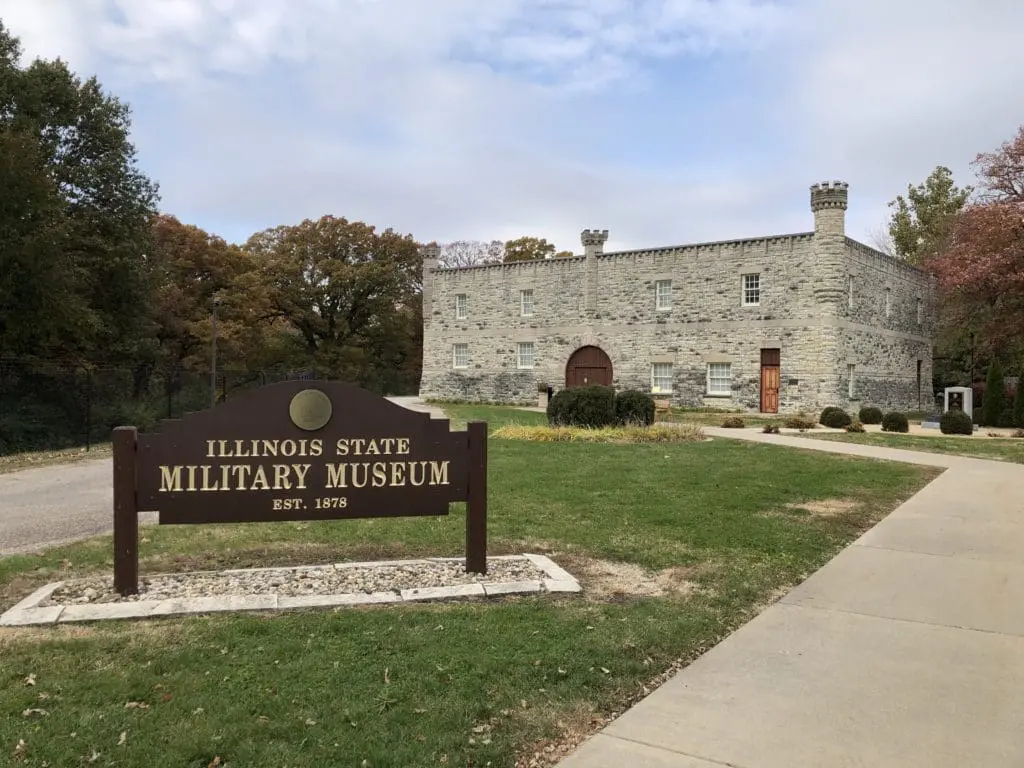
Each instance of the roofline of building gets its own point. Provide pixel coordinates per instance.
(683, 247)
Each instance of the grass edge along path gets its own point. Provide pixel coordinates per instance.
(724, 526)
(1010, 449)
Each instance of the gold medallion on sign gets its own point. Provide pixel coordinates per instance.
(310, 409)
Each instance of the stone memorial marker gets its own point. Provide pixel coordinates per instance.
(297, 450)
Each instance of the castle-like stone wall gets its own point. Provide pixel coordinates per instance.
(610, 301)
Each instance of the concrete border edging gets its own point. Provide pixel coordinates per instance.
(29, 612)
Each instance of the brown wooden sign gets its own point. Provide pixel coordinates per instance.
(297, 450)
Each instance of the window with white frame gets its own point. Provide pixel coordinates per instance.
(526, 302)
(751, 290)
(525, 355)
(851, 384)
(719, 378)
(460, 355)
(461, 306)
(663, 294)
(661, 378)
(888, 302)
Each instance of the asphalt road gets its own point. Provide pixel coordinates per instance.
(46, 506)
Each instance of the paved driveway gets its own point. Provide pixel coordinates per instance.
(46, 506)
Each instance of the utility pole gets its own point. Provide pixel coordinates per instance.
(213, 357)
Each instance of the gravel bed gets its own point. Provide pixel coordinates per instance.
(296, 582)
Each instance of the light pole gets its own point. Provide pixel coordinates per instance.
(213, 356)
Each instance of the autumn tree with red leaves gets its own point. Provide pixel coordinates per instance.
(981, 273)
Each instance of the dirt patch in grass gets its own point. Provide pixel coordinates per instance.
(575, 727)
(145, 632)
(604, 580)
(826, 507)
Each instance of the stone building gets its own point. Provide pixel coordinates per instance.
(782, 323)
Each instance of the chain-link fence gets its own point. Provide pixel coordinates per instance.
(50, 405)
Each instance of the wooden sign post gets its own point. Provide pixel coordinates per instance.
(294, 451)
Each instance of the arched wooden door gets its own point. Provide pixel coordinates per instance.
(588, 365)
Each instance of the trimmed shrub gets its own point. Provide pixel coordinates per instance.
(994, 403)
(799, 422)
(633, 407)
(835, 417)
(559, 406)
(894, 421)
(1018, 433)
(733, 422)
(870, 415)
(956, 423)
(855, 426)
(771, 429)
(662, 433)
(592, 406)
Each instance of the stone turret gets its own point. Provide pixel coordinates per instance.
(430, 254)
(593, 241)
(828, 203)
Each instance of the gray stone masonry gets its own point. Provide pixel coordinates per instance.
(833, 306)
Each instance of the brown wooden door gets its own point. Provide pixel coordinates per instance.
(588, 366)
(770, 365)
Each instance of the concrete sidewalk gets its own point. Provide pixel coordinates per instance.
(907, 649)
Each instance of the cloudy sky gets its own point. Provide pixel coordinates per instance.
(664, 121)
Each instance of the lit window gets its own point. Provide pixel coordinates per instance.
(461, 306)
(525, 356)
(661, 378)
(526, 303)
(719, 378)
(751, 290)
(851, 385)
(460, 355)
(663, 294)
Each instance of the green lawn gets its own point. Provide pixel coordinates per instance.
(1008, 449)
(729, 524)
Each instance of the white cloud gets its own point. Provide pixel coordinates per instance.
(469, 119)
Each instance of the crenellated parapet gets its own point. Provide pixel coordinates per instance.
(593, 241)
(830, 195)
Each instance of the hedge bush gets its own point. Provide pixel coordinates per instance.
(1018, 402)
(835, 417)
(771, 429)
(633, 407)
(733, 422)
(855, 426)
(956, 423)
(870, 415)
(592, 406)
(993, 404)
(894, 421)
(799, 422)
(559, 406)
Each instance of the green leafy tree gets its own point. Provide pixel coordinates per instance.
(349, 297)
(77, 137)
(528, 249)
(40, 309)
(922, 222)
